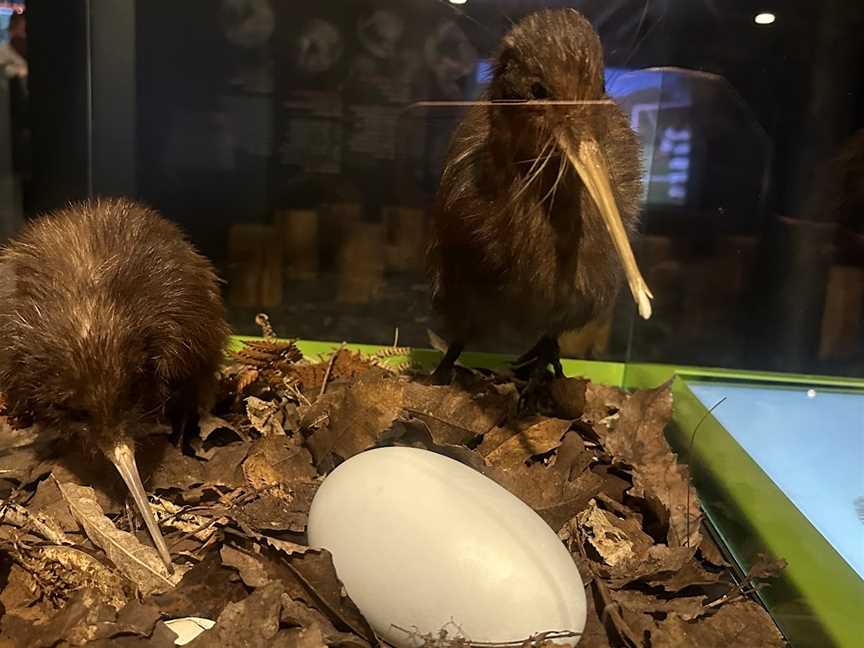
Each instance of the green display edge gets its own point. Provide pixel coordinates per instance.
(817, 600)
(817, 582)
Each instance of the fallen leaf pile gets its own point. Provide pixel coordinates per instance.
(77, 569)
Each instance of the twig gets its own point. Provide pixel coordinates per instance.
(689, 462)
(609, 606)
(329, 369)
(613, 609)
(429, 415)
(441, 641)
(262, 320)
(189, 534)
(321, 600)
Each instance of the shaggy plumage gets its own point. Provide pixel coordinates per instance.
(109, 318)
(518, 244)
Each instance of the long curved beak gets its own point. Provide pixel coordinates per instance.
(123, 457)
(590, 163)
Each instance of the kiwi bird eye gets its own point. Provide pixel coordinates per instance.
(539, 91)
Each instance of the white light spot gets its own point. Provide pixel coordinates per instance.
(458, 2)
(811, 393)
(760, 19)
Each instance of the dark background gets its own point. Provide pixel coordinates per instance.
(762, 268)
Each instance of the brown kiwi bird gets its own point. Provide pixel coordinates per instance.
(538, 198)
(111, 321)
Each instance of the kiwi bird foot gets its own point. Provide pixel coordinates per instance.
(545, 352)
(443, 374)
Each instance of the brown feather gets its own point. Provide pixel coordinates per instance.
(108, 316)
(532, 259)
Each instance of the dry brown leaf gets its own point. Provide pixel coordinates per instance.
(637, 439)
(742, 623)
(176, 471)
(250, 567)
(252, 622)
(415, 433)
(286, 512)
(357, 415)
(84, 621)
(66, 569)
(201, 527)
(23, 465)
(40, 524)
(224, 468)
(209, 424)
(298, 614)
(673, 570)
(268, 417)
(568, 394)
(687, 607)
(139, 563)
(454, 415)
(135, 621)
(311, 624)
(274, 463)
(21, 591)
(621, 543)
(593, 634)
(268, 353)
(573, 458)
(560, 514)
(76, 624)
(710, 552)
(289, 548)
(49, 501)
(311, 637)
(311, 578)
(602, 401)
(340, 365)
(543, 436)
(204, 591)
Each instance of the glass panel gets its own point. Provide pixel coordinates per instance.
(286, 139)
(781, 428)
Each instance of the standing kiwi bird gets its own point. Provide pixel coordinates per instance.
(110, 322)
(539, 195)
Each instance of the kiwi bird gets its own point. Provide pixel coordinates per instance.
(538, 198)
(111, 322)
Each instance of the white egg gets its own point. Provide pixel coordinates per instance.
(423, 543)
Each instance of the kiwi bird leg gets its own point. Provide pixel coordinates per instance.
(122, 456)
(590, 164)
(546, 351)
(443, 374)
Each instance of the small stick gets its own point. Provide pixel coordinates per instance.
(689, 465)
(329, 369)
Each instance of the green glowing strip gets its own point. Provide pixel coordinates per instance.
(818, 601)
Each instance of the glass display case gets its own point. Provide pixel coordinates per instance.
(301, 146)
(312, 127)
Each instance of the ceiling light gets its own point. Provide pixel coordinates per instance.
(458, 1)
(759, 19)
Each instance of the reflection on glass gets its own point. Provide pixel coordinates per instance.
(810, 442)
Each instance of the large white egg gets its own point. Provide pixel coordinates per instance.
(423, 542)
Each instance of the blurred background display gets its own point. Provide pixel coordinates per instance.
(300, 146)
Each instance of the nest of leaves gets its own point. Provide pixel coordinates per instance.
(76, 568)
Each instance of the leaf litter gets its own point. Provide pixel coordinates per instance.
(592, 461)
